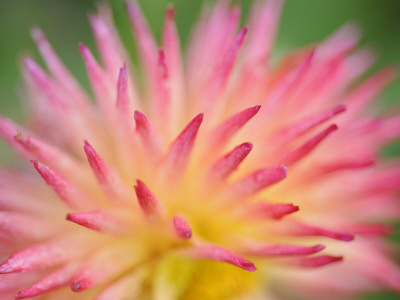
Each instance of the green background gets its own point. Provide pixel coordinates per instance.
(303, 22)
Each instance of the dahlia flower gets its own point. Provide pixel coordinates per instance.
(215, 175)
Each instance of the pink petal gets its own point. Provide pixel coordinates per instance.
(123, 103)
(148, 135)
(67, 192)
(280, 250)
(50, 253)
(220, 77)
(329, 168)
(314, 262)
(99, 82)
(144, 38)
(220, 254)
(263, 24)
(33, 148)
(299, 128)
(256, 181)
(299, 229)
(290, 80)
(269, 210)
(110, 47)
(57, 279)
(173, 59)
(22, 226)
(149, 203)
(103, 266)
(224, 132)
(102, 221)
(107, 177)
(179, 152)
(306, 148)
(45, 83)
(162, 97)
(371, 229)
(228, 163)
(361, 97)
(56, 67)
(182, 228)
(127, 286)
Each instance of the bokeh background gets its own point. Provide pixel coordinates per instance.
(303, 22)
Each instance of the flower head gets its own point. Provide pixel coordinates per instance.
(221, 176)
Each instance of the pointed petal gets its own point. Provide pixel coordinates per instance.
(162, 96)
(171, 44)
(57, 68)
(287, 83)
(33, 148)
(173, 58)
(263, 24)
(123, 103)
(268, 210)
(256, 181)
(228, 163)
(313, 262)
(110, 47)
(44, 82)
(46, 153)
(99, 82)
(182, 228)
(329, 168)
(56, 279)
(107, 177)
(45, 255)
(101, 220)
(149, 203)
(306, 148)
(219, 254)
(300, 229)
(103, 267)
(128, 286)
(371, 229)
(67, 192)
(22, 226)
(148, 135)
(361, 97)
(297, 129)
(223, 133)
(143, 37)
(179, 152)
(218, 79)
(231, 56)
(280, 250)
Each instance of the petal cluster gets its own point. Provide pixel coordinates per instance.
(218, 174)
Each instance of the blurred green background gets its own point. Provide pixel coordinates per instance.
(303, 21)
